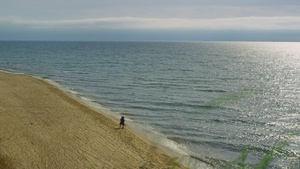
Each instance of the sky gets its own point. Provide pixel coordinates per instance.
(141, 20)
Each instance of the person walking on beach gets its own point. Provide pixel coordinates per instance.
(122, 122)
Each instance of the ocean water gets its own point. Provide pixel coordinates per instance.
(204, 100)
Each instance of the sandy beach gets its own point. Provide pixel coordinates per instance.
(43, 127)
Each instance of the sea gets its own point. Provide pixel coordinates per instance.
(211, 104)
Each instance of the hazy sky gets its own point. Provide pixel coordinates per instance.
(264, 20)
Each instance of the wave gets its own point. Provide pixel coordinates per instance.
(211, 90)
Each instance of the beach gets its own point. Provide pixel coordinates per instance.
(202, 102)
(44, 127)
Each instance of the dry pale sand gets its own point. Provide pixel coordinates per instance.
(42, 127)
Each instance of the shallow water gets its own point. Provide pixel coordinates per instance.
(211, 98)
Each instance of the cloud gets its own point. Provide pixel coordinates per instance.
(130, 23)
(157, 19)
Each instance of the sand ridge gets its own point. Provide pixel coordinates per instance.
(43, 127)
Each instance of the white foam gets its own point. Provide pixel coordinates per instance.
(171, 147)
(11, 71)
(72, 91)
(86, 99)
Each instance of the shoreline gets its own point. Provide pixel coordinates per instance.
(44, 127)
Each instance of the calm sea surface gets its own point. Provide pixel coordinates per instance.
(207, 100)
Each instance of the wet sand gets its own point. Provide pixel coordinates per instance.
(43, 127)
